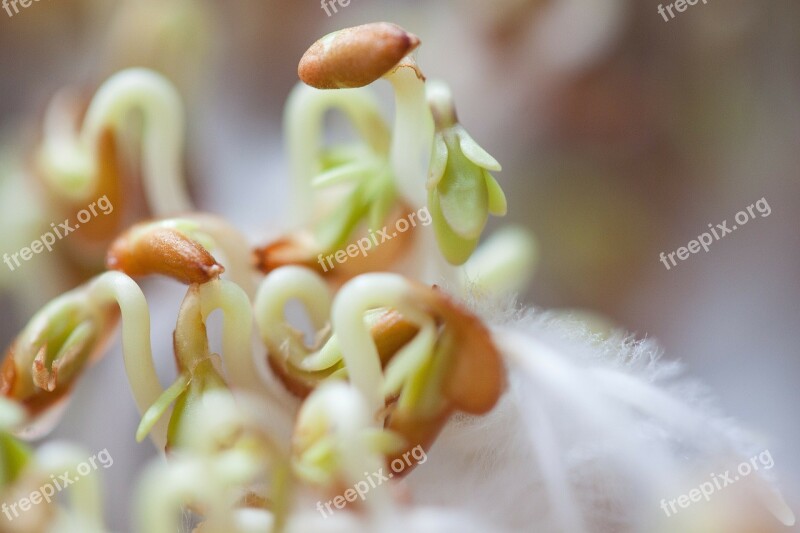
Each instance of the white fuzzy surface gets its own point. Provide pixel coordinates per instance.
(594, 431)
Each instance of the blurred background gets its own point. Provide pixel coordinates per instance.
(622, 136)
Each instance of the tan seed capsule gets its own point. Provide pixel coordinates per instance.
(355, 57)
(143, 251)
(295, 249)
(467, 371)
(476, 377)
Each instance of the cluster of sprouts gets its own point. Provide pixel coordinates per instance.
(392, 358)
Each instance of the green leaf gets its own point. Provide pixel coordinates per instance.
(409, 360)
(203, 378)
(342, 174)
(72, 356)
(476, 154)
(157, 410)
(463, 196)
(342, 154)
(438, 162)
(183, 402)
(498, 206)
(454, 248)
(333, 231)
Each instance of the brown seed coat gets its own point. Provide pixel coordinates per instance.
(355, 57)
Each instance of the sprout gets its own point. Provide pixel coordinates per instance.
(73, 181)
(115, 287)
(24, 471)
(199, 370)
(398, 343)
(301, 367)
(335, 441)
(73, 163)
(451, 365)
(306, 109)
(372, 197)
(237, 332)
(355, 181)
(286, 345)
(461, 191)
(227, 443)
(358, 56)
(206, 483)
(53, 350)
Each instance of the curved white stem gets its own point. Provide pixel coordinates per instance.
(163, 135)
(413, 132)
(277, 289)
(303, 129)
(66, 166)
(137, 352)
(237, 331)
(361, 357)
(412, 140)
